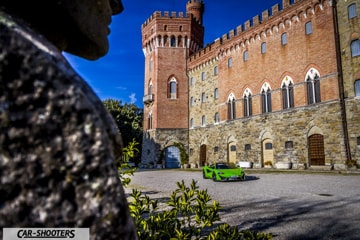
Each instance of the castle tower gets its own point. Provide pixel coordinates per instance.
(196, 8)
(167, 40)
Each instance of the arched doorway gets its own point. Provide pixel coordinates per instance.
(172, 157)
(267, 151)
(202, 155)
(316, 150)
(231, 152)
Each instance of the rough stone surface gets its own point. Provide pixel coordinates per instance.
(57, 143)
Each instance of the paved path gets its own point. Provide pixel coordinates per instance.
(289, 205)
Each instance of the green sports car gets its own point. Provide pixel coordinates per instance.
(223, 172)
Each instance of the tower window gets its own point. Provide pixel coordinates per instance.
(246, 56)
(203, 97)
(150, 89)
(203, 121)
(203, 75)
(263, 47)
(355, 48)
(217, 118)
(284, 39)
(230, 62)
(172, 89)
(173, 41)
(352, 11)
(216, 93)
(357, 87)
(308, 28)
(150, 121)
(216, 70)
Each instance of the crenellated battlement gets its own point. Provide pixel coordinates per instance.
(166, 15)
(246, 33)
(258, 19)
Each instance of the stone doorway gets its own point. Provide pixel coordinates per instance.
(267, 152)
(316, 150)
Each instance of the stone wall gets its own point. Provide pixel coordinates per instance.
(292, 125)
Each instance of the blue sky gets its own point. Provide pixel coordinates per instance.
(120, 74)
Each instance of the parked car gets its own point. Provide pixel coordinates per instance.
(223, 172)
(244, 164)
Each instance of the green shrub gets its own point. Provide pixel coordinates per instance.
(190, 215)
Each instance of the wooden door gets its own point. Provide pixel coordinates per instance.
(316, 150)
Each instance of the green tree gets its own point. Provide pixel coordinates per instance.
(129, 119)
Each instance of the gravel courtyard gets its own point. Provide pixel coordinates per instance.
(289, 205)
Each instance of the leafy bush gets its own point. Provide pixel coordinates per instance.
(124, 168)
(189, 215)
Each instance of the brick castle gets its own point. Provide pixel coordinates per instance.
(280, 90)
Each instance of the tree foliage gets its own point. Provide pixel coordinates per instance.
(129, 119)
(125, 170)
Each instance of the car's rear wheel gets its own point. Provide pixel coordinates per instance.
(204, 176)
(243, 177)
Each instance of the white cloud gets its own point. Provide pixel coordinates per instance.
(132, 98)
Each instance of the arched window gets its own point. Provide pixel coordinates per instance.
(287, 89)
(203, 121)
(263, 47)
(173, 42)
(357, 87)
(266, 98)
(191, 123)
(231, 107)
(203, 75)
(173, 89)
(150, 121)
(216, 70)
(313, 86)
(191, 101)
(216, 93)
(230, 62)
(165, 41)
(247, 103)
(217, 118)
(355, 48)
(150, 89)
(246, 56)
(203, 97)
(192, 81)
